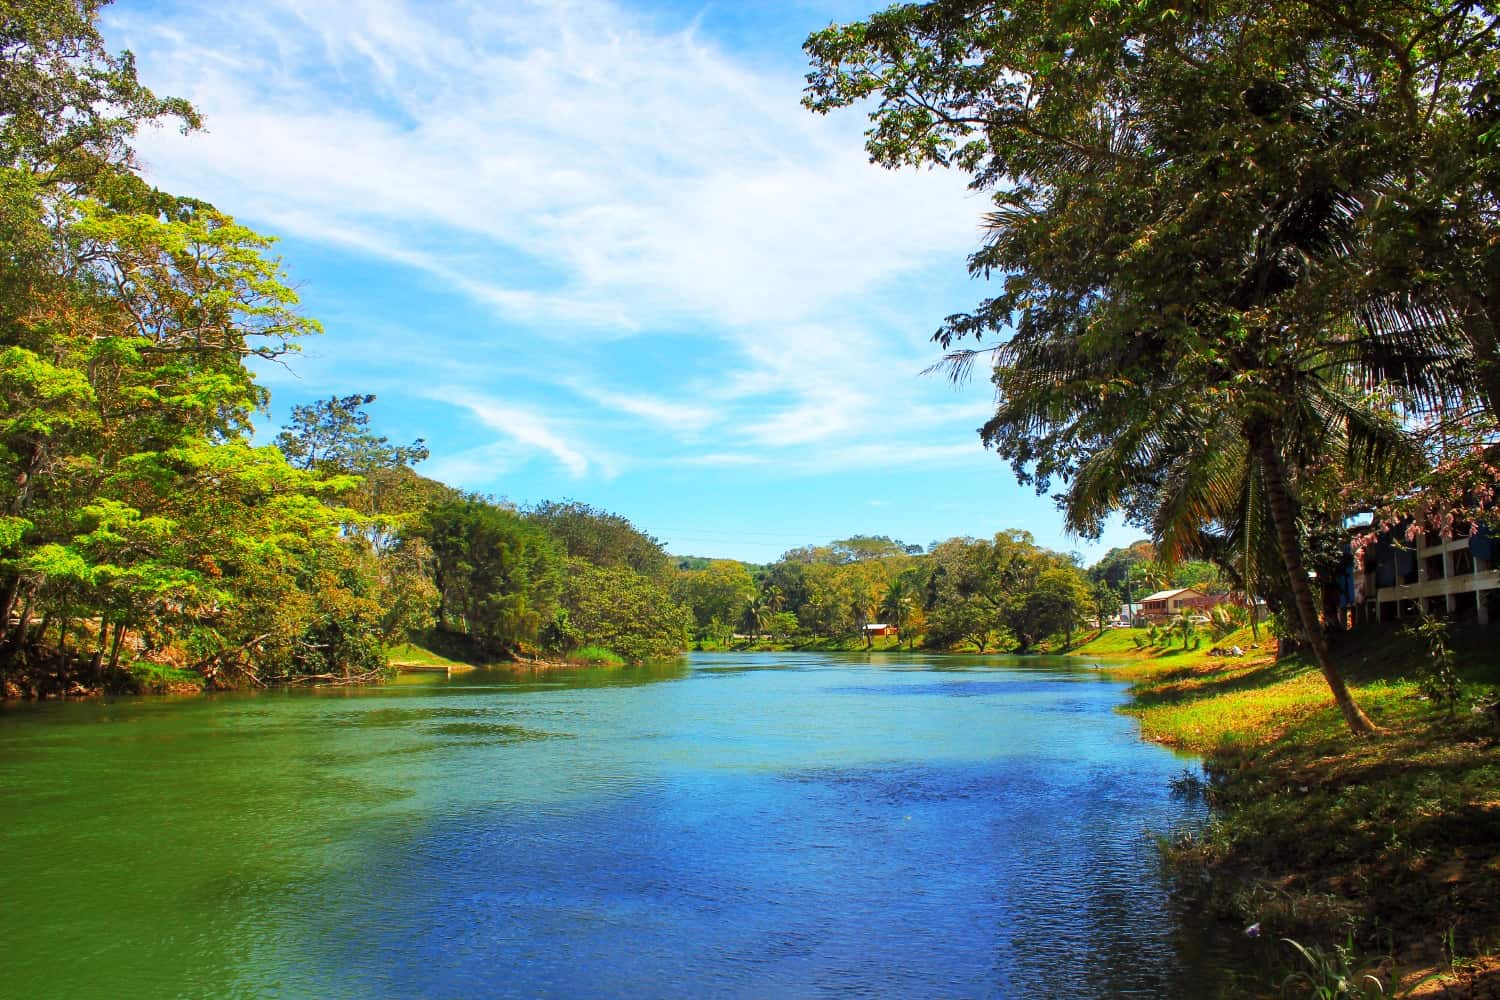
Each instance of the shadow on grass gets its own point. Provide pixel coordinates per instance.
(1369, 654)
(1405, 828)
(1191, 684)
(452, 646)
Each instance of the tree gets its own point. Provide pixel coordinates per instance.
(622, 610)
(1184, 215)
(1056, 603)
(334, 435)
(130, 497)
(901, 605)
(782, 624)
(717, 592)
(976, 589)
(498, 575)
(602, 538)
(859, 548)
(757, 614)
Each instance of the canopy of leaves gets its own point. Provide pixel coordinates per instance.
(601, 538)
(621, 610)
(498, 574)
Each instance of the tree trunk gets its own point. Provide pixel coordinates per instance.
(1279, 496)
(24, 623)
(1479, 326)
(114, 648)
(97, 663)
(8, 604)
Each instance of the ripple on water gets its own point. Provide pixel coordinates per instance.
(804, 832)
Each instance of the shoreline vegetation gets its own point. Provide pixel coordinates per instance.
(1260, 320)
(1379, 856)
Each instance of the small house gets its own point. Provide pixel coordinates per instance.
(1163, 604)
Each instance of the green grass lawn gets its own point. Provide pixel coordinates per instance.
(438, 649)
(1319, 835)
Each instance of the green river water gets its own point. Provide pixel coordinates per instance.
(723, 825)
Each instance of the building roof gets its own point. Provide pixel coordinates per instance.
(1163, 595)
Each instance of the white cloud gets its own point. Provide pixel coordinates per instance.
(586, 174)
(647, 169)
(520, 425)
(676, 415)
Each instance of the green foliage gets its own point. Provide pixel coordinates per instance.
(498, 575)
(1330, 974)
(621, 610)
(334, 435)
(601, 538)
(1438, 680)
(1213, 234)
(716, 592)
(1057, 603)
(782, 625)
(1183, 626)
(597, 656)
(1227, 618)
(131, 496)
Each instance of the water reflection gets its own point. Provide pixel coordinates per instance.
(737, 825)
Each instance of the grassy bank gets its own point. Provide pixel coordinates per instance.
(448, 649)
(855, 644)
(1389, 845)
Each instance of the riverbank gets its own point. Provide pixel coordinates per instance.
(47, 676)
(1388, 847)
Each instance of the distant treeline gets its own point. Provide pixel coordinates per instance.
(140, 525)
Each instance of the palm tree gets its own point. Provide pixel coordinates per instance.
(899, 608)
(1187, 241)
(1188, 400)
(758, 615)
(773, 597)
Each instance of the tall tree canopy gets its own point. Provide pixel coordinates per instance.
(1233, 242)
(334, 435)
(130, 495)
(601, 538)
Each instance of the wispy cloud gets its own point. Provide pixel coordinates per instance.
(673, 265)
(679, 416)
(646, 168)
(520, 425)
(583, 171)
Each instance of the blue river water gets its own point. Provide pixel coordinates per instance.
(756, 825)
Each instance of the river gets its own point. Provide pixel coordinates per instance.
(760, 825)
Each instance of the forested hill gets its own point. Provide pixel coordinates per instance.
(147, 540)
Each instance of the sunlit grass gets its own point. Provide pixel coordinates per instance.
(1318, 834)
(597, 656)
(410, 654)
(155, 678)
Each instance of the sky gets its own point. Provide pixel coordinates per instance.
(596, 250)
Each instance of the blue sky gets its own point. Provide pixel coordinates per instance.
(596, 250)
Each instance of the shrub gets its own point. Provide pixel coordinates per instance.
(598, 656)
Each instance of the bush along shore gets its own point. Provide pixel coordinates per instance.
(1356, 866)
(47, 674)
